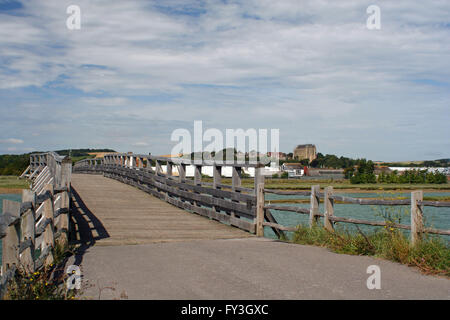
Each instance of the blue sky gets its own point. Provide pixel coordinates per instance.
(137, 70)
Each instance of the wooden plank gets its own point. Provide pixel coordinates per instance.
(269, 217)
(279, 227)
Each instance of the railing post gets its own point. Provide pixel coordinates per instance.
(10, 243)
(236, 177)
(314, 205)
(236, 181)
(63, 219)
(28, 231)
(217, 176)
(169, 169)
(416, 217)
(197, 175)
(49, 213)
(158, 168)
(182, 172)
(260, 210)
(217, 180)
(329, 209)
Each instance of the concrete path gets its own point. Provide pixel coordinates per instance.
(246, 269)
(208, 260)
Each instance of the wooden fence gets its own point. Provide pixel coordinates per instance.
(29, 229)
(232, 205)
(416, 202)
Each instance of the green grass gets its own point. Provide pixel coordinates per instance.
(13, 182)
(431, 255)
(43, 284)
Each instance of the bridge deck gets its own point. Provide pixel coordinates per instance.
(112, 213)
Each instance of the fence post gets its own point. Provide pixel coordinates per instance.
(217, 180)
(260, 210)
(63, 219)
(182, 172)
(169, 169)
(197, 175)
(236, 181)
(314, 205)
(49, 213)
(10, 243)
(329, 209)
(158, 169)
(28, 231)
(416, 217)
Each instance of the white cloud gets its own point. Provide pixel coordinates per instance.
(310, 68)
(11, 141)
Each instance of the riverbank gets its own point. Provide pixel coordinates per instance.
(12, 185)
(341, 185)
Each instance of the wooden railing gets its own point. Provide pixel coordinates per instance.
(230, 204)
(29, 229)
(416, 202)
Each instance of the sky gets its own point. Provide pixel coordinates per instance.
(138, 70)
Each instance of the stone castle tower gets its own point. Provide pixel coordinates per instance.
(305, 151)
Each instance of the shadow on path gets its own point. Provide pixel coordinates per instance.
(88, 227)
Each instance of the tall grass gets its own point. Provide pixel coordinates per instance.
(431, 255)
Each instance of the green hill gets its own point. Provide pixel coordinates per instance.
(12, 164)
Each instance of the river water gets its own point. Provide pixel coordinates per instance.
(433, 217)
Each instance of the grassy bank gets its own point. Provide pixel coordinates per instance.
(12, 184)
(341, 185)
(431, 256)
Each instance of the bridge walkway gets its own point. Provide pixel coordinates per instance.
(109, 212)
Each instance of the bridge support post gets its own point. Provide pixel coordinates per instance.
(416, 217)
(314, 205)
(329, 209)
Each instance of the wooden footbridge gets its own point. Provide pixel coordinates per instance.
(128, 199)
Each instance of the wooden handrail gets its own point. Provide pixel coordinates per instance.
(21, 228)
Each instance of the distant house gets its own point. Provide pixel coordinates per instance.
(293, 169)
(277, 155)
